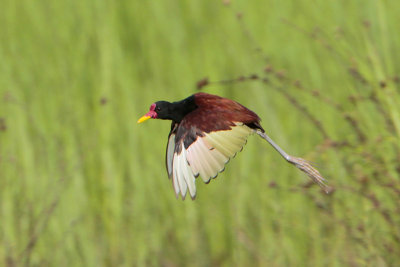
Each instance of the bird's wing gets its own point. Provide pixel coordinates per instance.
(205, 156)
(177, 167)
(182, 176)
(208, 155)
(169, 156)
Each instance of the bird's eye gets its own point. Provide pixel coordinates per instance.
(157, 109)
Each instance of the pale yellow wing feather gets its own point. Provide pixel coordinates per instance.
(206, 157)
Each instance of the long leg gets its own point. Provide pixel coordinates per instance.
(300, 163)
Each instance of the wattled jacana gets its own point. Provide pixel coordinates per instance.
(206, 131)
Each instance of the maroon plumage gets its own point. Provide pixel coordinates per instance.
(213, 113)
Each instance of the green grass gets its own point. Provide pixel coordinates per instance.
(81, 184)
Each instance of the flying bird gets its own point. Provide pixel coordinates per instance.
(206, 132)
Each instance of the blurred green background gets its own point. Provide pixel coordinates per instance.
(81, 184)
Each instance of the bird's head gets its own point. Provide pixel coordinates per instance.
(174, 111)
(158, 110)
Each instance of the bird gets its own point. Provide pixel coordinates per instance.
(206, 132)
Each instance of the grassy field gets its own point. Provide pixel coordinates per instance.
(81, 184)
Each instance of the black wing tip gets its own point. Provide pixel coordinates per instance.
(255, 126)
(184, 196)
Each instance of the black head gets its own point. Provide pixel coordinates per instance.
(164, 110)
(170, 111)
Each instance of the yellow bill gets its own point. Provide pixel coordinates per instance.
(143, 118)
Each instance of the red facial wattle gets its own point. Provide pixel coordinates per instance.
(152, 114)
